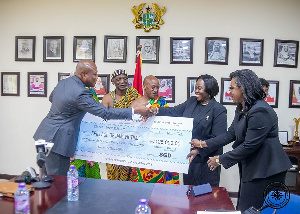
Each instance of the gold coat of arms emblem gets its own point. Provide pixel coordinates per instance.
(148, 19)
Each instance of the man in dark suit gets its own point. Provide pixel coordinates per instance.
(70, 101)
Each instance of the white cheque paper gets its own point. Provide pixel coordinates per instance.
(161, 143)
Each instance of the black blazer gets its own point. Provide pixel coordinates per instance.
(256, 145)
(209, 123)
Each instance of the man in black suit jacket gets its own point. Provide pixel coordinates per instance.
(70, 101)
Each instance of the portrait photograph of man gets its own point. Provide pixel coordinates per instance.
(84, 48)
(251, 52)
(25, 48)
(150, 48)
(286, 53)
(181, 50)
(10, 84)
(115, 49)
(53, 49)
(217, 50)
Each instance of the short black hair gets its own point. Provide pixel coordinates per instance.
(264, 82)
(251, 87)
(211, 85)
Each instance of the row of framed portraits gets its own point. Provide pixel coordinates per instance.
(271, 99)
(181, 50)
(37, 87)
(37, 84)
(167, 85)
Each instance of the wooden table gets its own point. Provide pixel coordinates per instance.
(104, 196)
(295, 152)
(40, 200)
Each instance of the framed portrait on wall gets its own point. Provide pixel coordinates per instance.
(62, 76)
(25, 48)
(272, 98)
(53, 49)
(251, 52)
(37, 84)
(181, 50)
(102, 85)
(115, 48)
(286, 53)
(84, 48)
(294, 96)
(150, 48)
(225, 97)
(167, 88)
(130, 80)
(191, 83)
(10, 82)
(216, 50)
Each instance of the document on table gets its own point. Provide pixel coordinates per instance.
(160, 143)
(218, 212)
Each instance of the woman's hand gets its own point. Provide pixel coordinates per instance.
(212, 164)
(192, 155)
(198, 143)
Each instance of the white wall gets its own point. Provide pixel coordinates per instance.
(235, 19)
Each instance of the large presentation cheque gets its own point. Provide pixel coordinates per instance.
(161, 143)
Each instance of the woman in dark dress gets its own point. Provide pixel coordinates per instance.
(210, 120)
(256, 148)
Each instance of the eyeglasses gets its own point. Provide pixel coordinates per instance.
(231, 88)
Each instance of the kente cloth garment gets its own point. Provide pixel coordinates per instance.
(85, 170)
(117, 172)
(150, 175)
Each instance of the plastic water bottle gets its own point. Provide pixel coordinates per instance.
(22, 200)
(73, 191)
(142, 208)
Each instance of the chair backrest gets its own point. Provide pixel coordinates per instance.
(292, 207)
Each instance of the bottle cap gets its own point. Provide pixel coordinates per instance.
(143, 201)
(72, 167)
(21, 185)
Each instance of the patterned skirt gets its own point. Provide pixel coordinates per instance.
(154, 176)
(117, 172)
(85, 170)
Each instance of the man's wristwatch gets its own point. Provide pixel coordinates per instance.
(218, 160)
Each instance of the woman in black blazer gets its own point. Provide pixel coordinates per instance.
(210, 120)
(256, 146)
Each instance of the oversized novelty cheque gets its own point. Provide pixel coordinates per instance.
(160, 143)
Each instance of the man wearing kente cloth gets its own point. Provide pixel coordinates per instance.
(151, 87)
(121, 97)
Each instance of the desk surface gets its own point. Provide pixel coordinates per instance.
(103, 196)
